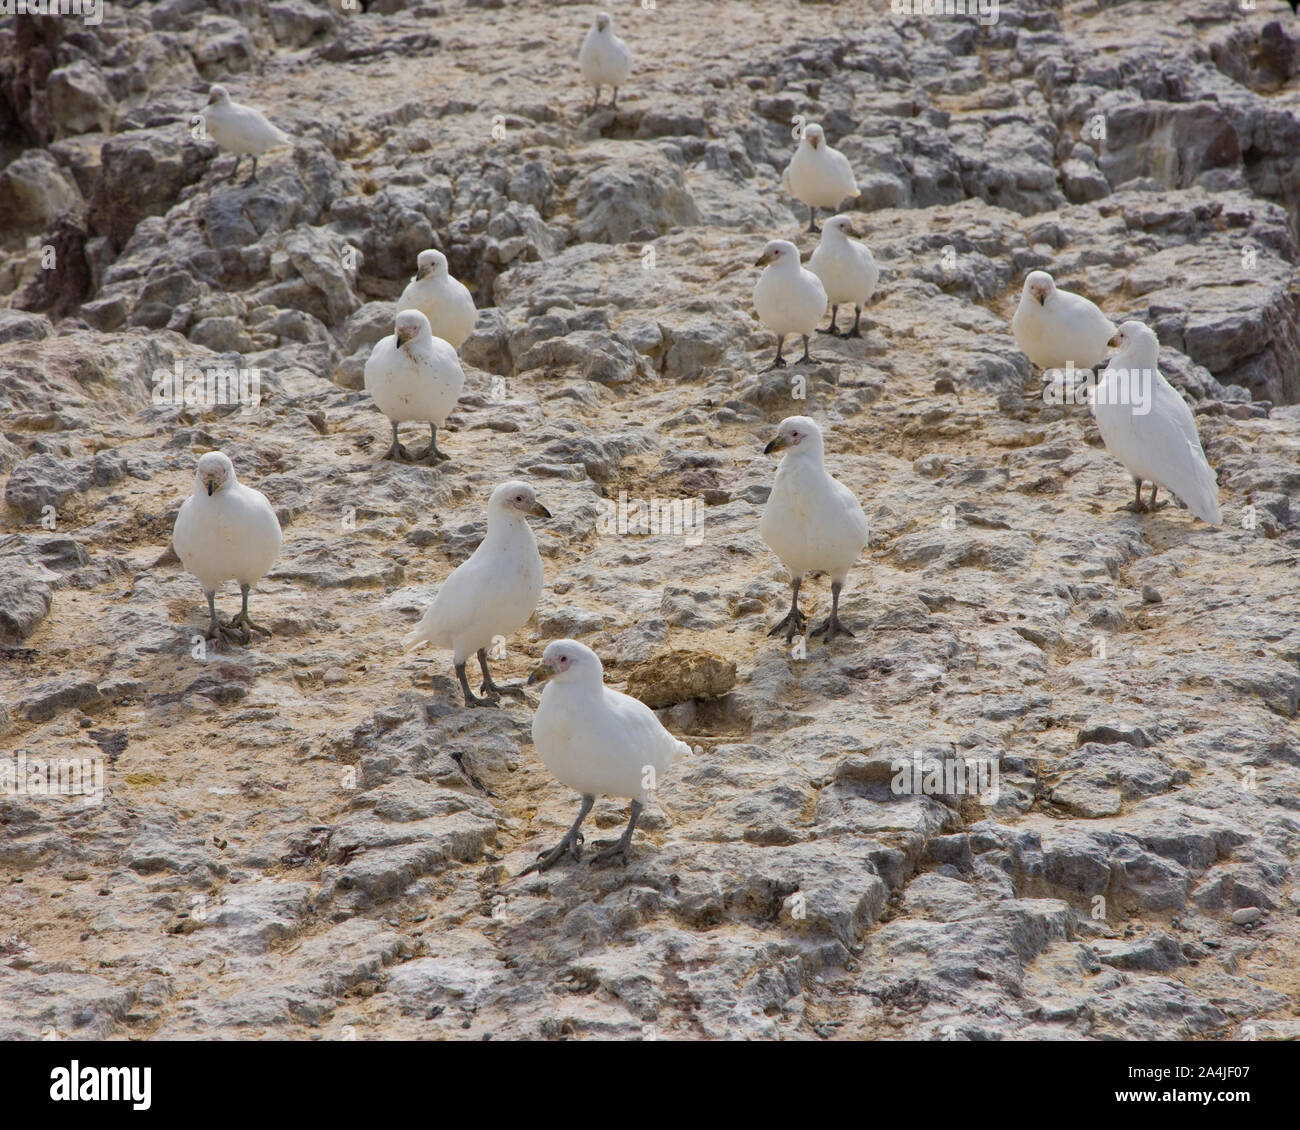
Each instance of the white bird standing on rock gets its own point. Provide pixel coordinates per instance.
(1149, 428)
(818, 174)
(598, 741)
(812, 522)
(412, 375)
(240, 129)
(847, 269)
(491, 595)
(788, 298)
(445, 301)
(604, 58)
(1053, 327)
(226, 531)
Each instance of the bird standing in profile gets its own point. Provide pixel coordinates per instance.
(818, 174)
(812, 522)
(240, 129)
(1149, 428)
(605, 59)
(226, 531)
(598, 741)
(490, 596)
(847, 269)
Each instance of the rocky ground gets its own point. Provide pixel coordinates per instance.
(291, 845)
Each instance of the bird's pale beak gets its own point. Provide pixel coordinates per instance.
(537, 510)
(813, 142)
(1113, 343)
(541, 673)
(778, 444)
(209, 488)
(423, 272)
(761, 260)
(1042, 299)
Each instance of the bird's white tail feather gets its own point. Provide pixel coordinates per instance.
(1203, 499)
(682, 750)
(414, 639)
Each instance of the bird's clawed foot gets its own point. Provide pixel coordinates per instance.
(794, 624)
(830, 628)
(610, 851)
(488, 687)
(571, 845)
(398, 454)
(222, 631)
(246, 626)
(470, 699)
(432, 456)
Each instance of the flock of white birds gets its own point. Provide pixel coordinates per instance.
(590, 737)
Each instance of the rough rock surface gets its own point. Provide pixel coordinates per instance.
(291, 844)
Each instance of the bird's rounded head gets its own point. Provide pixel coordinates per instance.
(814, 135)
(430, 262)
(215, 472)
(1139, 336)
(1039, 286)
(799, 433)
(604, 21)
(778, 251)
(218, 93)
(517, 497)
(567, 661)
(411, 325)
(841, 225)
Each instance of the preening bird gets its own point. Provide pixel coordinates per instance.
(788, 298)
(490, 596)
(604, 58)
(1149, 428)
(226, 531)
(818, 174)
(412, 375)
(446, 302)
(1053, 326)
(597, 741)
(812, 522)
(240, 129)
(846, 268)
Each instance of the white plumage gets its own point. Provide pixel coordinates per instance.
(445, 301)
(240, 130)
(225, 531)
(414, 376)
(1054, 326)
(595, 739)
(1159, 445)
(812, 522)
(604, 58)
(846, 268)
(495, 592)
(818, 174)
(788, 298)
